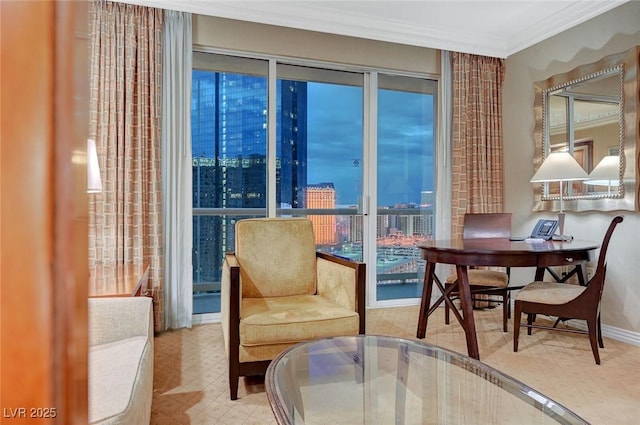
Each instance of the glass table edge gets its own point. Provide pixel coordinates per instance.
(514, 387)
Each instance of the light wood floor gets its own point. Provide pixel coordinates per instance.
(191, 387)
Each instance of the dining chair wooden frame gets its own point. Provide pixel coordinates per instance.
(477, 226)
(566, 301)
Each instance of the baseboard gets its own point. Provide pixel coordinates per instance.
(622, 335)
(205, 318)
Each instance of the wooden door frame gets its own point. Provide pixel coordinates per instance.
(44, 211)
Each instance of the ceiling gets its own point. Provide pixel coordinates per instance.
(490, 28)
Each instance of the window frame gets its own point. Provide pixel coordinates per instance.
(370, 85)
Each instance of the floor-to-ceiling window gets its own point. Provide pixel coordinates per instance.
(325, 130)
(405, 182)
(328, 167)
(229, 149)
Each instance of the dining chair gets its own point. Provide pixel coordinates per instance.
(484, 281)
(278, 290)
(566, 301)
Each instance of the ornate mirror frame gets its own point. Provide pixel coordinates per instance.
(626, 196)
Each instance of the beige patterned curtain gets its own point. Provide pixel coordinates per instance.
(477, 151)
(125, 220)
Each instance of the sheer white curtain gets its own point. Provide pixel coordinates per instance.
(443, 154)
(177, 169)
(443, 150)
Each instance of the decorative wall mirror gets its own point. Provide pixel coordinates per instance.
(591, 112)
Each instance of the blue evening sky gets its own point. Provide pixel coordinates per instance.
(405, 148)
(334, 139)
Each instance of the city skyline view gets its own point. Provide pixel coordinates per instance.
(319, 165)
(334, 143)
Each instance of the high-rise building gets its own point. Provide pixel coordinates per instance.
(229, 142)
(356, 228)
(323, 195)
(427, 207)
(292, 144)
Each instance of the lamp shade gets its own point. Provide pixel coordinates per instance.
(94, 181)
(559, 166)
(606, 173)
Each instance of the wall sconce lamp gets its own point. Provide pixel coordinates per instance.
(606, 173)
(559, 167)
(94, 181)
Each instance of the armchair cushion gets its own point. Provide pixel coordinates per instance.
(293, 319)
(277, 260)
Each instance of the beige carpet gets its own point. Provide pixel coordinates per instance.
(191, 387)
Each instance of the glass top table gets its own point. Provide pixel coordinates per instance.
(387, 380)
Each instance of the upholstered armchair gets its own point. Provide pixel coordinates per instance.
(278, 291)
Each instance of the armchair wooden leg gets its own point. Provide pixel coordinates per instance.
(517, 314)
(234, 376)
(530, 319)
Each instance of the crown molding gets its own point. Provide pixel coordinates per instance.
(572, 15)
(322, 17)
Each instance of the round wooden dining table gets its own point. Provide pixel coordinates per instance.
(463, 253)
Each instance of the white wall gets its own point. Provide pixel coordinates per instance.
(616, 31)
(309, 45)
(613, 32)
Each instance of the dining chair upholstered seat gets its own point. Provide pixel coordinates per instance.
(496, 278)
(549, 292)
(277, 290)
(566, 301)
(486, 282)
